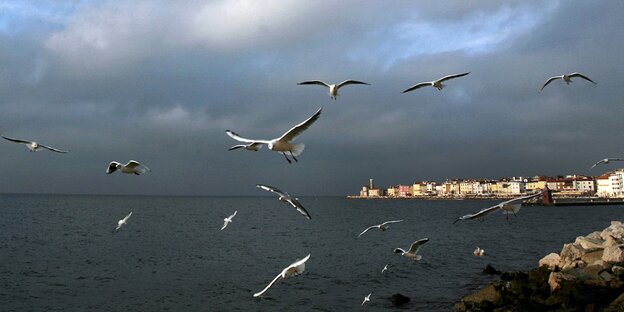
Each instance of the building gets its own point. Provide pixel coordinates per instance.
(611, 184)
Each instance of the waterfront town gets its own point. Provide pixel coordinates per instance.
(608, 185)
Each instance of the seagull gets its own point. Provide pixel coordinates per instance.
(228, 220)
(367, 298)
(34, 146)
(385, 268)
(294, 269)
(509, 206)
(478, 252)
(566, 78)
(381, 227)
(287, 198)
(605, 161)
(132, 166)
(411, 253)
(438, 84)
(333, 88)
(123, 221)
(281, 144)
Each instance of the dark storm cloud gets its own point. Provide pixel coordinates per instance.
(160, 83)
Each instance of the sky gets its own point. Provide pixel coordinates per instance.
(161, 81)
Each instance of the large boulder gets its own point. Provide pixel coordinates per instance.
(613, 254)
(556, 279)
(551, 261)
(398, 300)
(616, 229)
(593, 258)
(589, 243)
(486, 296)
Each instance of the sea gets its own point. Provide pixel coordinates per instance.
(59, 252)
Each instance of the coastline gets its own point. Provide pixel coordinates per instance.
(557, 200)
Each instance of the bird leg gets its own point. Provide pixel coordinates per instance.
(293, 156)
(287, 158)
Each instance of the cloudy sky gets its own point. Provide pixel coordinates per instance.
(160, 81)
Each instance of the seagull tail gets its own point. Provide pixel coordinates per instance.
(297, 149)
(514, 209)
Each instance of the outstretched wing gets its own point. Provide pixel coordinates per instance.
(225, 224)
(392, 221)
(17, 140)
(313, 82)
(417, 86)
(271, 189)
(445, 78)
(112, 166)
(132, 164)
(368, 228)
(234, 214)
(349, 82)
(268, 286)
(479, 214)
(296, 130)
(416, 245)
(295, 203)
(519, 200)
(237, 137)
(549, 81)
(577, 74)
(127, 217)
(53, 149)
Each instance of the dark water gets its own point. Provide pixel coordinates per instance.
(57, 253)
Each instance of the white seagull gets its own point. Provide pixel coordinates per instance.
(228, 220)
(132, 166)
(294, 269)
(411, 253)
(34, 146)
(367, 298)
(333, 88)
(605, 161)
(511, 206)
(287, 198)
(381, 227)
(385, 268)
(438, 84)
(478, 252)
(281, 144)
(123, 221)
(566, 78)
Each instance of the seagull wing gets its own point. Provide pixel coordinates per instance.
(296, 130)
(127, 217)
(519, 200)
(445, 78)
(368, 228)
(314, 82)
(268, 286)
(392, 221)
(596, 164)
(549, 81)
(295, 203)
(112, 167)
(577, 74)
(53, 149)
(416, 245)
(349, 82)
(237, 137)
(417, 86)
(225, 224)
(234, 214)
(271, 189)
(17, 140)
(479, 214)
(132, 164)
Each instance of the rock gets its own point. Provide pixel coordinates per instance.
(611, 241)
(589, 243)
(551, 261)
(616, 229)
(571, 252)
(617, 270)
(593, 258)
(486, 296)
(594, 235)
(613, 254)
(398, 300)
(556, 279)
(616, 305)
(513, 276)
(490, 270)
(605, 275)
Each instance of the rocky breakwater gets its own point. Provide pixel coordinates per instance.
(588, 275)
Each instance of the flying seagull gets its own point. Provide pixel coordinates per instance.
(294, 269)
(381, 227)
(478, 252)
(605, 161)
(228, 220)
(566, 78)
(132, 166)
(438, 84)
(385, 268)
(34, 146)
(281, 144)
(287, 198)
(367, 298)
(509, 206)
(411, 253)
(333, 88)
(123, 221)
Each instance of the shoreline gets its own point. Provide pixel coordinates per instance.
(557, 201)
